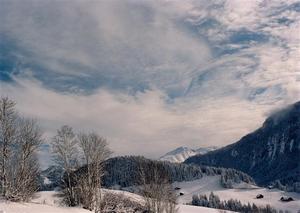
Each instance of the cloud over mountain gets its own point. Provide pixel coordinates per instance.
(151, 73)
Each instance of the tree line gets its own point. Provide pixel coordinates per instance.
(214, 201)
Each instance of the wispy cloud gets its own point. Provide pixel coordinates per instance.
(141, 124)
(149, 74)
(121, 43)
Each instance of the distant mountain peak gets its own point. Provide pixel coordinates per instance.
(182, 153)
(180, 150)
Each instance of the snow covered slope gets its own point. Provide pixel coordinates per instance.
(49, 202)
(45, 202)
(180, 154)
(245, 193)
(198, 209)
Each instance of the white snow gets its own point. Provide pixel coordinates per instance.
(181, 207)
(50, 202)
(243, 192)
(47, 181)
(45, 202)
(178, 155)
(132, 196)
(197, 209)
(182, 153)
(205, 150)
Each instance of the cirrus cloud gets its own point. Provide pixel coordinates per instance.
(151, 75)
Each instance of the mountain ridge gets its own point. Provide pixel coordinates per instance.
(181, 153)
(270, 153)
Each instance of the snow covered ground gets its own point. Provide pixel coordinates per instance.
(45, 202)
(243, 192)
(197, 209)
(181, 207)
(49, 202)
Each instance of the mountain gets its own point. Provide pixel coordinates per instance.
(268, 154)
(51, 178)
(180, 154)
(205, 150)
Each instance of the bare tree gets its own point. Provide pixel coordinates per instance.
(65, 150)
(25, 166)
(20, 138)
(94, 150)
(8, 117)
(157, 190)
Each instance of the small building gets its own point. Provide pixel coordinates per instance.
(286, 199)
(177, 188)
(259, 196)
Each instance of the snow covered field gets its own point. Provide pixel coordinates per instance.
(212, 183)
(49, 202)
(197, 209)
(45, 202)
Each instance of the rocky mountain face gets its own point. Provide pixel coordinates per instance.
(268, 154)
(180, 154)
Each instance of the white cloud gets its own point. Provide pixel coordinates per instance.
(141, 124)
(121, 40)
(171, 48)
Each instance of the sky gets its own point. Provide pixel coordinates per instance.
(151, 75)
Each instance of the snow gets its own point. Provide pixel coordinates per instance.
(132, 196)
(205, 150)
(45, 202)
(47, 181)
(182, 153)
(243, 192)
(181, 207)
(197, 209)
(178, 155)
(50, 201)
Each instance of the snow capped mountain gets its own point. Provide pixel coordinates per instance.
(204, 150)
(180, 154)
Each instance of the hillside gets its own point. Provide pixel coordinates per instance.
(124, 171)
(270, 153)
(49, 202)
(246, 193)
